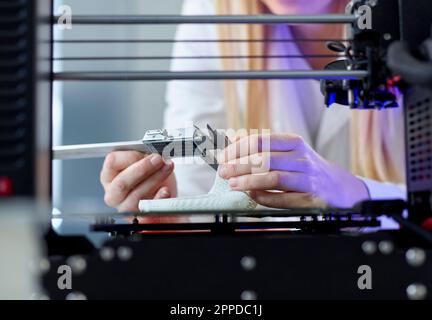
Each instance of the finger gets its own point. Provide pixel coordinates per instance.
(116, 162)
(245, 165)
(240, 148)
(235, 135)
(260, 143)
(265, 162)
(148, 188)
(286, 200)
(274, 180)
(129, 178)
(162, 193)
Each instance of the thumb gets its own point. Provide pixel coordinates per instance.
(163, 193)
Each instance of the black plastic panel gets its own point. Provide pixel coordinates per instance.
(418, 106)
(20, 70)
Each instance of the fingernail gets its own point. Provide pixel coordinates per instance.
(156, 160)
(233, 182)
(167, 167)
(223, 172)
(164, 194)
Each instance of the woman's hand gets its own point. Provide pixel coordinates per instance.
(283, 171)
(128, 177)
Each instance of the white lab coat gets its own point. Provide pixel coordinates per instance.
(296, 106)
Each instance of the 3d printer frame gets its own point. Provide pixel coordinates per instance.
(215, 257)
(365, 78)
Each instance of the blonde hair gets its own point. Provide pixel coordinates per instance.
(256, 115)
(370, 139)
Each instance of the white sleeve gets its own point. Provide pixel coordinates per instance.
(384, 190)
(197, 102)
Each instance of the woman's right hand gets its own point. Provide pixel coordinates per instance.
(129, 176)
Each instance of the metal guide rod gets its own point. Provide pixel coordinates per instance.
(104, 58)
(210, 75)
(212, 19)
(151, 41)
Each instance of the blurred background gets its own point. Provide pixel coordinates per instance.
(96, 112)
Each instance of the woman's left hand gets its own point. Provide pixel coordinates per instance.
(283, 171)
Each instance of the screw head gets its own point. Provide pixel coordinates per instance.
(416, 291)
(39, 266)
(387, 36)
(124, 253)
(76, 296)
(248, 263)
(44, 265)
(107, 254)
(386, 247)
(248, 295)
(77, 263)
(39, 296)
(415, 257)
(369, 247)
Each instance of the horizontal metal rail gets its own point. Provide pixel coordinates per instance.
(210, 75)
(152, 41)
(266, 57)
(210, 19)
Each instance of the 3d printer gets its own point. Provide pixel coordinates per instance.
(250, 263)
